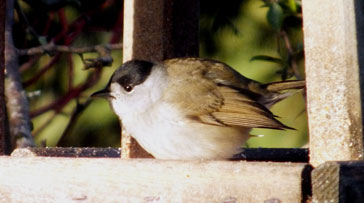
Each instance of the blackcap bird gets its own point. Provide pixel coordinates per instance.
(191, 108)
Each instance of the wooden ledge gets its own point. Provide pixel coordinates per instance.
(46, 179)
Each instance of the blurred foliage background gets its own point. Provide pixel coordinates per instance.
(262, 39)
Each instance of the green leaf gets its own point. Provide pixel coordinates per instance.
(292, 5)
(275, 16)
(267, 58)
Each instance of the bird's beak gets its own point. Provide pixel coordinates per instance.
(104, 93)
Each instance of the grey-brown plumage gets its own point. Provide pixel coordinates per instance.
(229, 99)
(192, 108)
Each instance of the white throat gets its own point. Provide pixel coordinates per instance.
(142, 98)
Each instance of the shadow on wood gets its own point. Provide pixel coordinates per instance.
(248, 154)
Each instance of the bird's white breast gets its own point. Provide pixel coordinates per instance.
(166, 134)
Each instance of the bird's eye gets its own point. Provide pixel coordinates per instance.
(128, 88)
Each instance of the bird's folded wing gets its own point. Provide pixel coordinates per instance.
(240, 110)
(212, 93)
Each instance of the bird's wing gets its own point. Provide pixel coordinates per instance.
(214, 96)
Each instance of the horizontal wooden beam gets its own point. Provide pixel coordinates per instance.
(248, 154)
(338, 182)
(44, 179)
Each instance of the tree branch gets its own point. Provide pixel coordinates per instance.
(66, 49)
(4, 131)
(17, 103)
(104, 58)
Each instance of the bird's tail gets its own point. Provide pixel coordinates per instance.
(275, 91)
(285, 85)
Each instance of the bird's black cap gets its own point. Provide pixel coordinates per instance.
(131, 73)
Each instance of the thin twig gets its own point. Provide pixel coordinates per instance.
(25, 19)
(291, 57)
(44, 125)
(30, 63)
(67, 49)
(70, 71)
(42, 71)
(48, 23)
(74, 93)
(63, 21)
(80, 107)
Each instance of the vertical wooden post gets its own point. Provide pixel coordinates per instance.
(156, 30)
(3, 133)
(334, 35)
